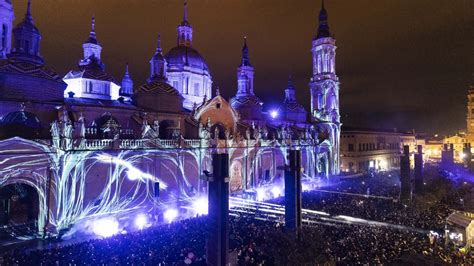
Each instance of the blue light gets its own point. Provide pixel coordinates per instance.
(106, 227)
(170, 215)
(274, 114)
(141, 221)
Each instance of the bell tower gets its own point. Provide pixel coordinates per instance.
(470, 115)
(324, 86)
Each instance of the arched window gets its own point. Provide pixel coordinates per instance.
(4, 36)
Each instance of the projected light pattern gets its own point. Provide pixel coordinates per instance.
(76, 185)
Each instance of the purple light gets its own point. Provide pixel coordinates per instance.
(276, 191)
(141, 221)
(170, 215)
(200, 206)
(274, 114)
(105, 227)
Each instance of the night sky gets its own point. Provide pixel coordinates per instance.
(402, 64)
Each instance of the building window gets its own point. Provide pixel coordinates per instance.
(4, 36)
(351, 147)
(196, 89)
(175, 84)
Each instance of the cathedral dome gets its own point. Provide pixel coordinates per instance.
(181, 56)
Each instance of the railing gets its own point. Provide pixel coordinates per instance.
(97, 144)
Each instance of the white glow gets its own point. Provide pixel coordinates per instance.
(200, 206)
(305, 187)
(141, 221)
(276, 191)
(274, 114)
(106, 227)
(170, 215)
(261, 194)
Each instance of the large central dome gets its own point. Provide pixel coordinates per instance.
(186, 70)
(183, 56)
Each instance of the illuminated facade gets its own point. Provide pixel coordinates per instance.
(187, 71)
(365, 150)
(470, 116)
(324, 86)
(458, 142)
(90, 146)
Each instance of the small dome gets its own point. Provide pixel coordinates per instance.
(181, 56)
(21, 118)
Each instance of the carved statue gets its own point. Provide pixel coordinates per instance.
(145, 128)
(256, 133)
(247, 133)
(283, 133)
(228, 134)
(82, 126)
(68, 130)
(216, 133)
(265, 132)
(208, 124)
(54, 129)
(55, 133)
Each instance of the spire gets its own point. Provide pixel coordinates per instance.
(28, 16)
(290, 96)
(127, 83)
(127, 74)
(185, 12)
(27, 39)
(92, 35)
(185, 31)
(157, 63)
(245, 54)
(158, 46)
(323, 29)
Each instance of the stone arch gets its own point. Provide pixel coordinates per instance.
(30, 166)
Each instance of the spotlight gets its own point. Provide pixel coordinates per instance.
(105, 227)
(276, 191)
(274, 114)
(261, 194)
(200, 206)
(134, 174)
(141, 221)
(170, 215)
(305, 187)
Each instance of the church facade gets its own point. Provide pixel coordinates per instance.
(88, 145)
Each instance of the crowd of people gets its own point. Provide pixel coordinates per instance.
(266, 242)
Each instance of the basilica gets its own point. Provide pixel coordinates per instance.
(87, 144)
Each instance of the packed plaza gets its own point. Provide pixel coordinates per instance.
(99, 172)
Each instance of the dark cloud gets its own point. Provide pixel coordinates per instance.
(404, 64)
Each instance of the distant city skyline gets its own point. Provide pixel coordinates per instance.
(401, 64)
